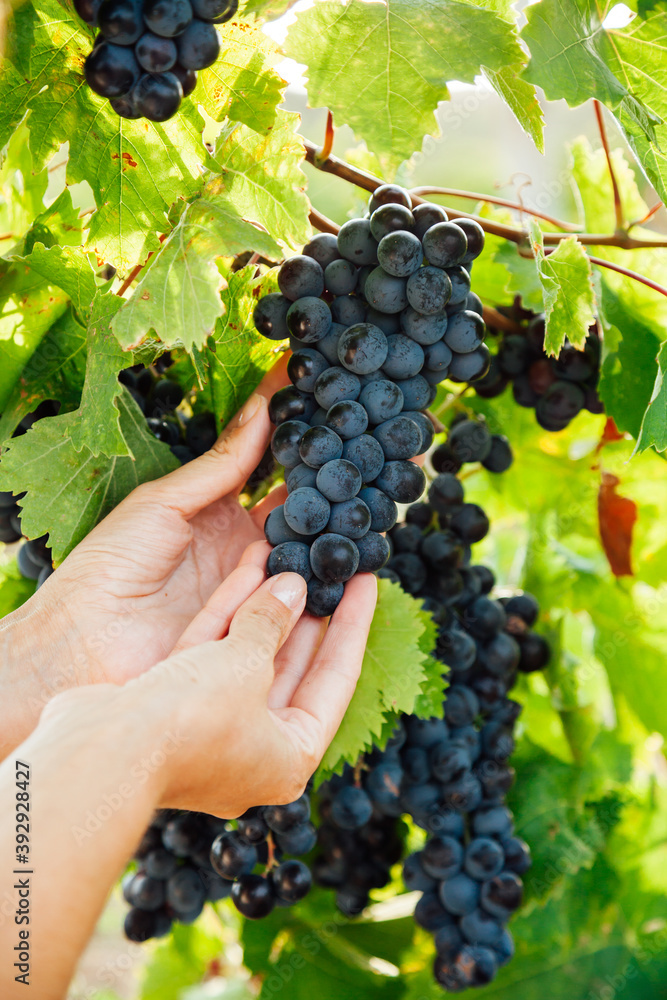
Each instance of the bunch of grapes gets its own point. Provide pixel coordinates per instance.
(376, 318)
(556, 388)
(158, 398)
(146, 56)
(187, 859)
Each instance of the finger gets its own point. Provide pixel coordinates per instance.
(264, 621)
(214, 618)
(222, 470)
(261, 510)
(256, 555)
(295, 658)
(276, 377)
(325, 691)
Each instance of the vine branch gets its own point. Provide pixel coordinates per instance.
(366, 181)
(493, 200)
(618, 206)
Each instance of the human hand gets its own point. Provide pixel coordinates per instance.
(252, 696)
(123, 597)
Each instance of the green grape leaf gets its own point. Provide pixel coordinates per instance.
(28, 307)
(241, 84)
(262, 177)
(522, 277)
(382, 68)
(429, 704)
(180, 961)
(392, 676)
(241, 356)
(653, 432)
(521, 98)
(69, 269)
(567, 286)
(55, 371)
(69, 491)
(574, 57)
(179, 294)
(98, 426)
(563, 834)
(629, 369)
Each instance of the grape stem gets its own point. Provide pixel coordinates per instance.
(493, 200)
(325, 152)
(618, 206)
(362, 179)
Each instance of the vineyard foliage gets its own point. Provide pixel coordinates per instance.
(87, 197)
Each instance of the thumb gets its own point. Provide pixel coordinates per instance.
(262, 624)
(222, 470)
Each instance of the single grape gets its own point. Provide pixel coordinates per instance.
(291, 404)
(111, 70)
(188, 81)
(232, 856)
(405, 358)
(338, 480)
(475, 237)
(147, 893)
(383, 510)
(414, 876)
(437, 357)
(517, 855)
(167, 18)
(252, 826)
(374, 551)
(448, 762)
(320, 445)
(478, 964)
(120, 21)
(154, 54)
(157, 96)
(299, 840)
(290, 557)
(283, 818)
(351, 808)
(484, 858)
(465, 332)
(141, 925)
(426, 215)
(428, 290)
(291, 881)
(400, 254)
(445, 244)
(348, 310)
(215, 11)
(323, 598)
(442, 857)
(334, 558)
(367, 454)
(328, 346)
(460, 895)
(500, 457)
(387, 322)
(502, 895)
(335, 385)
(494, 821)
(430, 913)
(470, 367)
(306, 511)
(399, 437)
(304, 367)
(348, 419)
(523, 606)
(535, 653)
(186, 892)
(381, 400)
(160, 864)
(356, 243)
(270, 316)
(362, 348)
(416, 393)
(323, 248)
(285, 442)
(351, 518)
(385, 292)
(390, 218)
(301, 277)
(340, 277)
(402, 481)
(253, 896)
(277, 530)
(389, 194)
(460, 279)
(309, 319)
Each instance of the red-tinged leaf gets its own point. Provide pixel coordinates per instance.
(610, 434)
(617, 516)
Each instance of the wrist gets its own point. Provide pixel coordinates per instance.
(37, 662)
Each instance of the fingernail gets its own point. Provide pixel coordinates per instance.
(289, 589)
(248, 410)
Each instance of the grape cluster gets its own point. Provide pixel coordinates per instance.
(376, 318)
(187, 859)
(158, 398)
(34, 556)
(449, 775)
(556, 388)
(147, 53)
